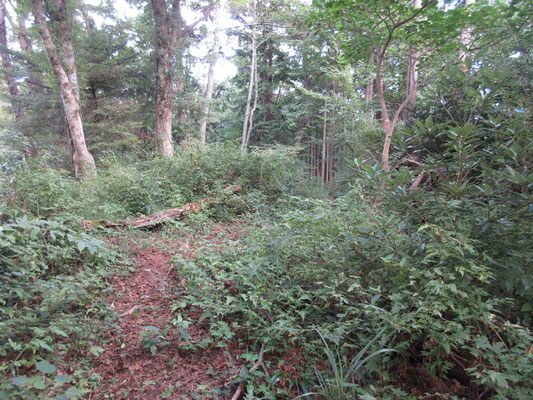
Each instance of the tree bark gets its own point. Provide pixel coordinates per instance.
(369, 91)
(253, 61)
(31, 149)
(412, 74)
(324, 139)
(170, 29)
(82, 160)
(466, 41)
(213, 57)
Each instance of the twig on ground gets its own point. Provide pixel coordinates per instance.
(258, 364)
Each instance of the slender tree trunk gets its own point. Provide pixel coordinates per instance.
(253, 61)
(466, 41)
(12, 87)
(256, 96)
(82, 160)
(333, 135)
(268, 79)
(211, 73)
(412, 74)
(6, 61)
(324, 139)
(35, 81)
(369, 92)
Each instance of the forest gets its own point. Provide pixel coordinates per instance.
(266, 199)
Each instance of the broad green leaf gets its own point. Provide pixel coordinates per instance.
(45, 367)
(19, 380)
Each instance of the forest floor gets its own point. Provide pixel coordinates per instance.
(143, 299)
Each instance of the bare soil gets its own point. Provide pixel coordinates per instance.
(144, 298)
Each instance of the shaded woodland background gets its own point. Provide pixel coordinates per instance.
(384, 154)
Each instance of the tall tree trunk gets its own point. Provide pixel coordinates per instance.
(246, 126)
(6, 61)
(213, 57)
(412, 74)
(333, 135)
(31, 149)
(82, 160)
(169, 30)
(164, 103)
(388, 126)
(466, 41)
(324, 140)
(167, 27)
(369, 91)
(256, 96)
(268, 79)
(23, 36)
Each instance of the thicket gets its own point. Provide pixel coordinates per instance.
(53, 273)
(439, 272)
(377, 285)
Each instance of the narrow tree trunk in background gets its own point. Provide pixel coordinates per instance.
(384, 115)
(256, 96)
(333, 136)
(253, 61)
(268, 80)
(213, 57)
(12, 87)
(466, 41)
(6, 61)
(82, 160)
(412, 74)
(23, 36)
(31, 149)
(324, 139)
(369, 92)
(35, 81)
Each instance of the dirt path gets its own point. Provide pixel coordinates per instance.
(145, 298)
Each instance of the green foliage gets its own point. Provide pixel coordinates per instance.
(341, 386)
(50, 306)
(152, 339)
(122, 190)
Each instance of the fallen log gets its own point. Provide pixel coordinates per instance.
(161, 216)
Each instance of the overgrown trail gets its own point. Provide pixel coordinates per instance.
(144, 298)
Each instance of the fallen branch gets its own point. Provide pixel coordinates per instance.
(161, 216)
(258, 364)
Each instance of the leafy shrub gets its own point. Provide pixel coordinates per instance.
(51, 275)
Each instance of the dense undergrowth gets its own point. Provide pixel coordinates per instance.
(437, 279)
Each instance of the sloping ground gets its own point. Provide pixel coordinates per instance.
(144, 299)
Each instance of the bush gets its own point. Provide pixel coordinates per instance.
(51, 276)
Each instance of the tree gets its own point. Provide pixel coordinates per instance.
(11, 83)
(379, 24)
(170, 29)
(213, 57)
(249, 113)
(412, 73)
(65, 71)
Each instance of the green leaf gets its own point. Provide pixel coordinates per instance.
(19, 380)
(45, 367)
(81, 245)
(96, 350)
(39, 384)
(62, 379)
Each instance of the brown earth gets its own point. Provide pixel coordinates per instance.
(145, 298)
